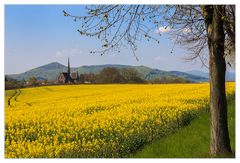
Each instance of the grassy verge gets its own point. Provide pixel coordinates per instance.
(191, 141)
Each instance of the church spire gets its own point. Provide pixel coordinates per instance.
(68, 66)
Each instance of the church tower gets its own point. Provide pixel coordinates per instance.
(68, 66)
(68, 77)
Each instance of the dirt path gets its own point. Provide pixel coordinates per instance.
(17, 95)
(14, 96)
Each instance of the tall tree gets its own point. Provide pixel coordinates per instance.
(110, 75)
(33, 81)
(197, 27)
(130, 75)
(220, 142)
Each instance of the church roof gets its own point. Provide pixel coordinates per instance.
(65, 74)
(74, 75)
(68, 76)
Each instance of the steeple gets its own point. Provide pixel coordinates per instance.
(68, 66)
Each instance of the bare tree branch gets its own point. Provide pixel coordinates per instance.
(125, 25)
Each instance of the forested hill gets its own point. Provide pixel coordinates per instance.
(52, 70)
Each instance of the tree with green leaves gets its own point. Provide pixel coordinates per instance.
(110, 75)
(32, 81)
(130, 75)
(11, 83)
(207, 31)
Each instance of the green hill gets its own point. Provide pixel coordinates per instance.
(52, 70)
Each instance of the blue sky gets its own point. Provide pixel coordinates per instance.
(39, 34)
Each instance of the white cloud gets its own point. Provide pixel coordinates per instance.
(59, 54)
(75, 51)
(186, 30)
(168, 29)
(157, 58)
(163, 30)
(68, 52)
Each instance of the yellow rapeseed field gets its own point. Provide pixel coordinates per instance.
(97, 120)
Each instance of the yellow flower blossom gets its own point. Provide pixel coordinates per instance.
(97, 120)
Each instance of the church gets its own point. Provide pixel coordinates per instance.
(68, 77)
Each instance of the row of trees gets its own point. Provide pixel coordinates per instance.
(11, 83)
(105, 76)
(169, 79)
(113, 75)
(126, 75)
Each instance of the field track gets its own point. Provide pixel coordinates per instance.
(14, 96)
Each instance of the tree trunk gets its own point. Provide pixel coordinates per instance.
(220, 143)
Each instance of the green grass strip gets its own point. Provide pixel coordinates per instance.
(192, 141)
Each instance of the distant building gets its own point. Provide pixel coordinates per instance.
(68, 77)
